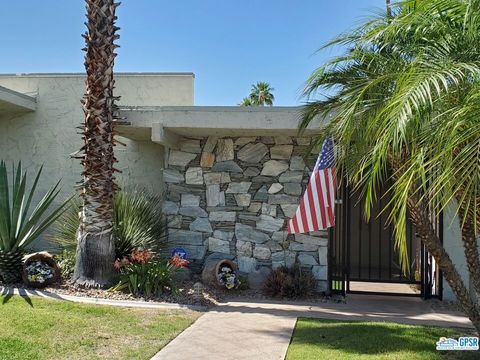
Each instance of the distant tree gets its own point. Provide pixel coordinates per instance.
(261, 94)
(246, 102)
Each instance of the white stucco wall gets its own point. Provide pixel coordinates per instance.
(452, 241)
(48, 135)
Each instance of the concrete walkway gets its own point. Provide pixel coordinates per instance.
(261, 330)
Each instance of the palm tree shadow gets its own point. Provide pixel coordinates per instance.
(7, 294)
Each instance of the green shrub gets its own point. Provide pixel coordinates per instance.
(66, 263)
(20, 225)
(138, 223)
(142, 274)
(293, 283)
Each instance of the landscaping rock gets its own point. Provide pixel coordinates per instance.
(182, 237)
(255, 207)
(245, 140)
(216, 178)
(225, 150)
(303, 141)
(269, 223)
(201, 225)
(223, 235)
(246, 264)
(169, 208)
(289, 210)
(307, 239)
(243, 199)
(191, 146)
(257, 278)
(294, 246)
(207, 160)
(173, 176)
(194, 176)
(306, 259)
(320, 272)
(210, 144)
(248, 233)
(190, 200)
(261, 194)
(244, 248)
(274, 168)
(297, 163)
(281, 140)
(293, 189)
(227, 166)
(251, 171)
(252, 153)
(238, 187)
(193, 211)
(262, 252)
(282, 152)
(280, 199)
(214, 196)
(228, 216)
(180, 158)
(283, 258)
(291, 177)
(275, 188)
(174, 221)
(219, 246)
(323, 255)
(270, 210)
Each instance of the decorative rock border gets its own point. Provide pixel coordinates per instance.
(6, 291)
(233, 196)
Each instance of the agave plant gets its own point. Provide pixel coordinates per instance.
(19, 226)
(137, 223)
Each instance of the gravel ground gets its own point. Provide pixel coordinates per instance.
(211, 296)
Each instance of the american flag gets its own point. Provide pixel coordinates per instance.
(316, 209)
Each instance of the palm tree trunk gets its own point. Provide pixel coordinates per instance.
(470, 247)
(419, 215)
(95, 248)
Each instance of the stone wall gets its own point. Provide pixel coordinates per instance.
(233, 196)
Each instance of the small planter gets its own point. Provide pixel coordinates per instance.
(212, 270)
(40, 270)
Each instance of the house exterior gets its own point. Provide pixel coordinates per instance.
(230, 176)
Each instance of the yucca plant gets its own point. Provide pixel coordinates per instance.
(138, 223)
(18, 226)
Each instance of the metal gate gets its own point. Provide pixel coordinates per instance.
(364, 251)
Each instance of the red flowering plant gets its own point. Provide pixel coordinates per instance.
(142, 274)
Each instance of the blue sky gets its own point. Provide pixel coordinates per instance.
(228, 44)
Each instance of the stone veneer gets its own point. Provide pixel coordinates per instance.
(232, 196)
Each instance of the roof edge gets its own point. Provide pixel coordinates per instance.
(81, 74)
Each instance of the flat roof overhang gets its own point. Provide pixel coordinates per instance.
(13, 102)
(165, 125)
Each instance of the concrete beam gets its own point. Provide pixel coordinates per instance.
(222, 120)
(163, 136)
(14, 102)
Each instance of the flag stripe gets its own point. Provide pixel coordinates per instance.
(316, 208)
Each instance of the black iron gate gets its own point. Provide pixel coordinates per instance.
(364, 251)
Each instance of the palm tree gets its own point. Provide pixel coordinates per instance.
(405, 106)
(261, 94)
(246, 102)
(95, 248)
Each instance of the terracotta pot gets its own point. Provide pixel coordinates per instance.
(212, 269)
(44, 257)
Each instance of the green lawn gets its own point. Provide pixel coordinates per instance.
(43, 329)
(331, 340)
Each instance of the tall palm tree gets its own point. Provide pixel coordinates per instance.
(261, 94)
(405, 103)
(95, 248)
